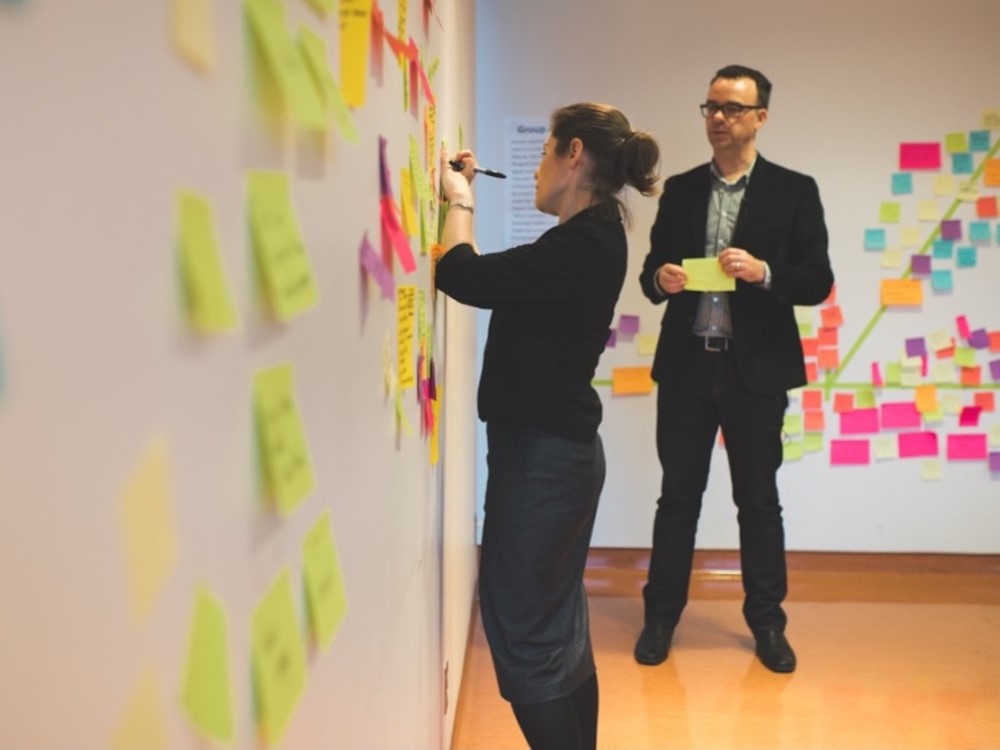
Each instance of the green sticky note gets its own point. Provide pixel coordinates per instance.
(210, 304)
(706, 275)
(813, 442)
(314, 52)
(282, 439)
(283, 59)
(324, 582)
(792, 424)
(282, 260)
(207, 695)
(792, 450)
(890, 212)
(279, 659)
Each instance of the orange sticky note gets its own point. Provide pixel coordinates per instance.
(809, 346)
(972, 375)
(926, 398)
(827, 337)
(832, 316)
(985, 400)
(630, 381)
(812, 372)
(812, 399)
(814, 420)
(991, 173)
(986, 207)
(843, 402)
(829, 358)
(902, 292)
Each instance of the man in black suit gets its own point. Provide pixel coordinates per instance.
(727, 359)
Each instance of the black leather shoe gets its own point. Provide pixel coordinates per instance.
(774, 651)
(654, 643)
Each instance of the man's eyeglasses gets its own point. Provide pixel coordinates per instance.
(729, 110)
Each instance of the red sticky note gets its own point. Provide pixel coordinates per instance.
(986, 207)
(985, 400)
(843, 402)
(971, 376)
(919, 156)
(814, 420)
(832, 316)
(812, 399)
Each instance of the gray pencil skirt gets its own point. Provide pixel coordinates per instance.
(541, 500)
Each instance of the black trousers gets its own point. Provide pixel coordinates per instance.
(708, 395)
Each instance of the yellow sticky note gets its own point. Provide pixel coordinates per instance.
(279, 658)
(885, 446)
(813, 442)
(314, 51)
(207, 694)
(928, 210)
(149, 535)
(911, 237)
(956, 143)
(792, 450)
(192, 32)
(629, 381)
(991, 119)
(285, 452)
(324, 582)
(944, 184)
(646, 343)
(892, 257)
(965, 356)
(355, 33)
(143, 726)
(793, 424)
(323, 6)
(931, 468)
(706, 275)
(211, 306)
(409, 217)
(285, 63)
(284, 265)
(406, 300)
(899, 292)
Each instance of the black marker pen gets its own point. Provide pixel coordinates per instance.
(459, 166)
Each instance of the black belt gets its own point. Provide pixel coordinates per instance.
(714, 343)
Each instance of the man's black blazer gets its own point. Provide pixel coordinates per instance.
(780, 221)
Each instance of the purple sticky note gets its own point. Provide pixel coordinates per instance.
(373, 264)
(916, 347)
(859, 421)
(849, 452)
(995, 370)
(951, 229)
(920, 264)
(628, 325)
(979, 339)
(995, 462)
(612, 338)
(967, 447)
(917, 444)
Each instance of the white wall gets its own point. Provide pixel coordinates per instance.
(852, 80)
(102, 125)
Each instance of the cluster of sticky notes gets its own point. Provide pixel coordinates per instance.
(284, 450)
(820, 343)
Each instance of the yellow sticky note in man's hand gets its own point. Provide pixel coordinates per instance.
(324, 581)
(706, 275)
(282, 439)
(279, 658)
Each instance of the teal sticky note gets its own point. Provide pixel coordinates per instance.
(961, 163)
(966, 257)
(902, 183)
(944, 249)
(979, 231)
(941, 280)
(874, 239)
(979, 140)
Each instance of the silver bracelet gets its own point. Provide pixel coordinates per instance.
(467, 205)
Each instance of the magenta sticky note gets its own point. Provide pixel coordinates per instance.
(919, 156)
(876, 375)
(962, 323)
(964, 447)
(969, 416)
(849, 452)
(920, 264)
(628, 325)
(859, 421)
(951, 229)
(917, 444)
(900, 414)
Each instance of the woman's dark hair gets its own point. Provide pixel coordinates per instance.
(732, 72)
(620, 155)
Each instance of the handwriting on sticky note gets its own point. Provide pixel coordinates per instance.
(706, 275)
(902, 292)
(285, 452)
(278, 656)
(324, 581)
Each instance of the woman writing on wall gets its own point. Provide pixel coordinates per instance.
(552, 303)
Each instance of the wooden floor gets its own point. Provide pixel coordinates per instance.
(895, 652)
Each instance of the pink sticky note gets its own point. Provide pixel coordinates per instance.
(962, 323)
(849, 452)
(877, 375)
(965, 447)
(859, 421)
(969, 417)
(628, 325)
(397, 237)
(902, 414)
(917, 444)
(919, 156)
